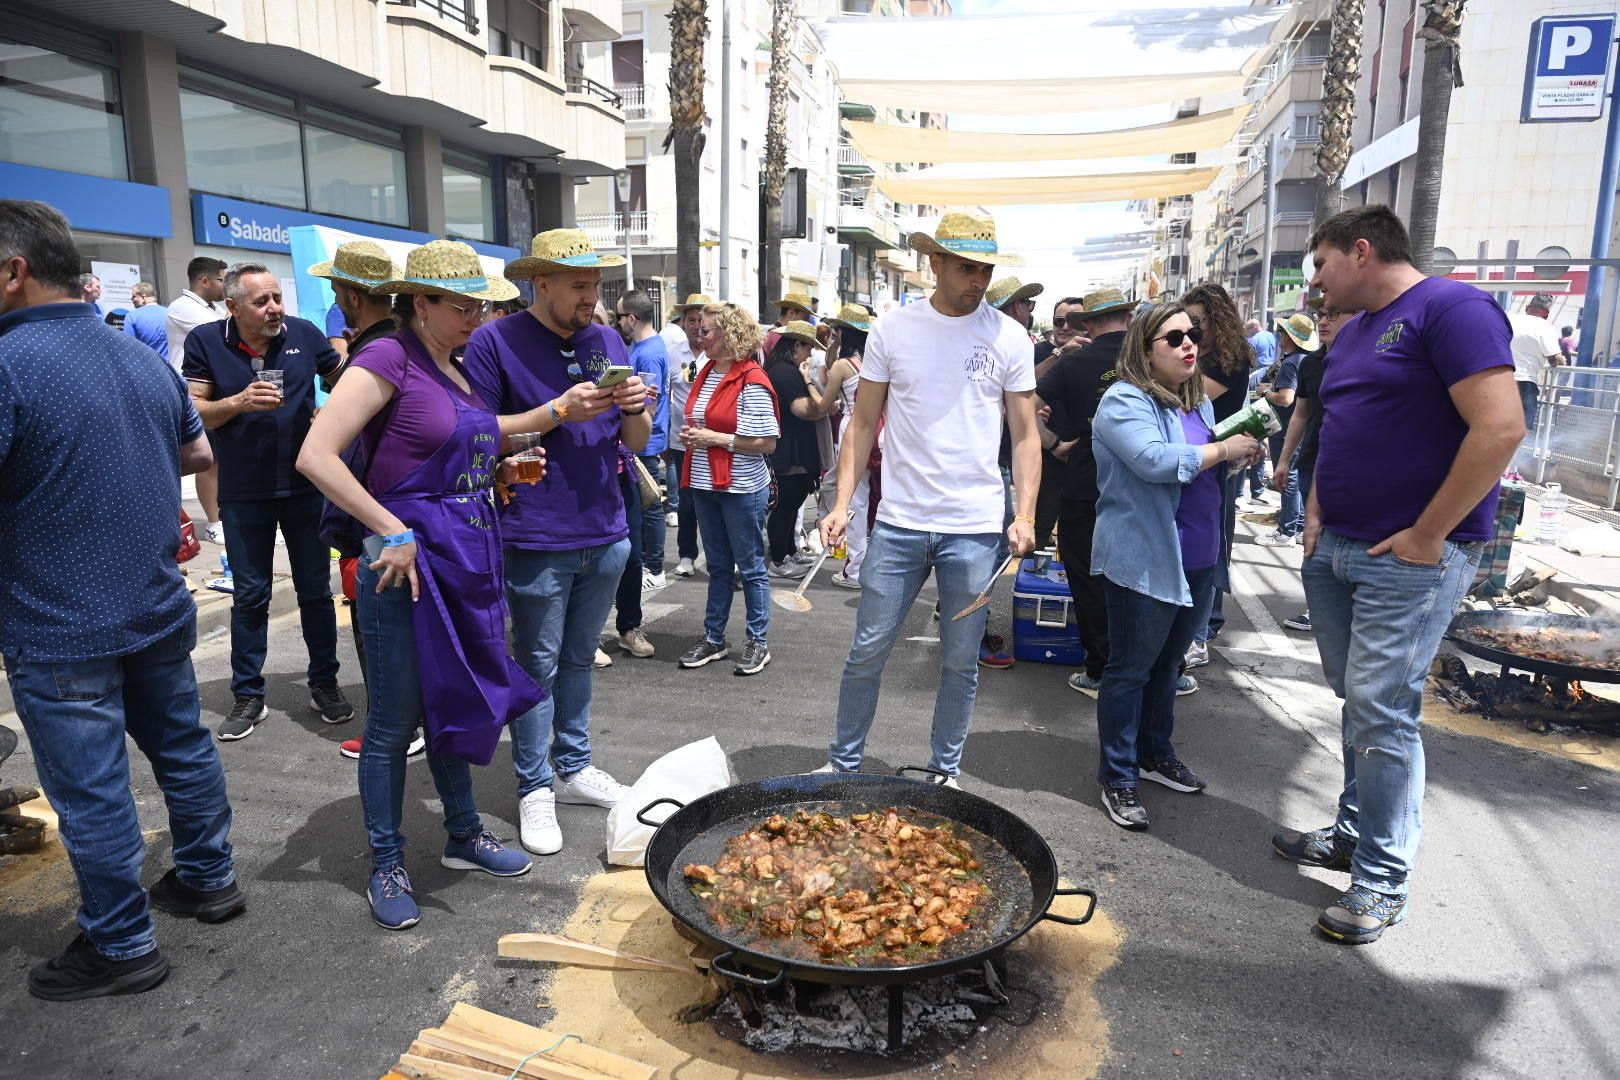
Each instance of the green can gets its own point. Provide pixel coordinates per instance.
(1257, 418)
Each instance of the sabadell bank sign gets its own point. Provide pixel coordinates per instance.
(222, 222)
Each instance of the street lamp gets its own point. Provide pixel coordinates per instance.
(621, 181)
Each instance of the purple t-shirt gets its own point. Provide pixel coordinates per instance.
(1390, 432)
(1198, 516)
(520, 365)
(423, 413)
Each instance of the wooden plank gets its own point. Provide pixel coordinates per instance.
(417, 1067)
(525, 1038)
(542, 1065)
(563, 950)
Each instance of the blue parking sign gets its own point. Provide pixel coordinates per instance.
(1567, 73)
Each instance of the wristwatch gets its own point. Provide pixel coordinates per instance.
(731, 444)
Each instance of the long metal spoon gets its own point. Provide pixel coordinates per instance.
(796, 600)
(984, 594)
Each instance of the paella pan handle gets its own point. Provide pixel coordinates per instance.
(1091, 908)
(641, 815)
(721, 966)
(902, 770)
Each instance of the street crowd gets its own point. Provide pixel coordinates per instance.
(500, 479)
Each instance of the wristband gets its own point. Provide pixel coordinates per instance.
(1030, 518)
(399, 539)
(635, 412)
(559, 415)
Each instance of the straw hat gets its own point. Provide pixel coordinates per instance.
(694, 300)
(1103, 302)
(798, 300)
(1010, 289)
(558, 251)
(852, 316)
(358, 262)
(967, 236)
(799, 330)
(1302, 329)
(447, 268)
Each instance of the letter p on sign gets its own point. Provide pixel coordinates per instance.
(1565, 42)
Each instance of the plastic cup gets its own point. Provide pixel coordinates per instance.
(277, 378)
(531, 465)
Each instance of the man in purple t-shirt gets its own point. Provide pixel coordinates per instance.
(1419, 418)
(565, 537)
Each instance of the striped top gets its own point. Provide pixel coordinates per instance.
(756, 418)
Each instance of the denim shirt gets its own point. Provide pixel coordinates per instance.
(1143, 460)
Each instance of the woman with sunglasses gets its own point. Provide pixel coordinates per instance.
(1156, 545)
(730, 428)
(431, 596)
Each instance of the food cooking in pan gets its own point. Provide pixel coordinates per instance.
(1554, 645)
(866, 887)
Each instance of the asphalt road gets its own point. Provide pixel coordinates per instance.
(1506, 966)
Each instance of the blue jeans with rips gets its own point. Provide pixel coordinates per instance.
(76, 716)
(394, 711)
(733, 528)
(897, 563)
(1378, 623)
(559, 601)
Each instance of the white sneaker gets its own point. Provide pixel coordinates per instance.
(1197, 654)
(844, 581)
(537, 822)
(672, 519)
(684, 568)
(650, 580)
(827, 768)
(213, 532)
(589, 787)
(1276, 538)
(602, 659)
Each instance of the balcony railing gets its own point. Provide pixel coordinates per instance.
(634, 97)
(581, 84)
(463, 13)
(848, 155)
(607, 230)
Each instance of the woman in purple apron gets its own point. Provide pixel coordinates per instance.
(431, 595)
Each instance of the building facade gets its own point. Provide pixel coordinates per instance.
(165, 129)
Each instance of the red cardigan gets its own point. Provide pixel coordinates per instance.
(721, 414)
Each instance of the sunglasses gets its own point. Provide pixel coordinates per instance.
(1175, 337)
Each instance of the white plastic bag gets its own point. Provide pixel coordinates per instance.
(693, 770)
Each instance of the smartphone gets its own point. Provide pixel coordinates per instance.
(373, 546)
(613, 376)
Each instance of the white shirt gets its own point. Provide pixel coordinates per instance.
(947, 377)
(186, 313)
(682, 366)
(1534, 339)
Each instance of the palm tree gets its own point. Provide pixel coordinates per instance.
(775, 178)
(1339, 77)
(1442, 30)
(688, 27)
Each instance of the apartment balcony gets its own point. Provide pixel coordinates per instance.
(853, 110)
(593, 20)
(597, 125)
(851, 162)
(527, 102)
(607, 231)
(636, 100)
(867, 217)
(436, 52)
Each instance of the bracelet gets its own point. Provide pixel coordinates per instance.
(559, 415)
(731, 444)
(1226, 451)
(637, 412)
(1030, 518)
(399, 539)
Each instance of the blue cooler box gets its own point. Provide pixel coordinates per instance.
(1045, 629)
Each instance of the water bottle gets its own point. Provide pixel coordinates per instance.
(1550, 526)
(224, 565)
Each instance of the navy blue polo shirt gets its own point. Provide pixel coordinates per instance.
(91, 427)
(257, 452)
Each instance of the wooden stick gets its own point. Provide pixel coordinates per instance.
(416, 1067)
(541, 1065)
(563, 950)
(480, 1023)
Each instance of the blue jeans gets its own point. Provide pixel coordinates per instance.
(559, 601)
(653, 529)
(394, 712)
(897, 563)
(1136, 704)
(76, 716)
(680, 501)
(250, 537)
(627, 597)
(1214, 617)
(1378, 623)
(1291, 518)
(733, 528)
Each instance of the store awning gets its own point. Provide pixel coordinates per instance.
(898, 143)
(923, 190)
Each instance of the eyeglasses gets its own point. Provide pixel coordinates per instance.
(469, 310)
(622, 315)
(705, 331)
(1175, 337)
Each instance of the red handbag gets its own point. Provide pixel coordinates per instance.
(190, 546)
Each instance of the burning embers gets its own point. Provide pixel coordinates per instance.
(1541, 704)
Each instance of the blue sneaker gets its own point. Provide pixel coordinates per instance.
(392, 905)
(484, 852)
(1361, 914)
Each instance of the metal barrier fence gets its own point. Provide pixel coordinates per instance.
(1577, 432)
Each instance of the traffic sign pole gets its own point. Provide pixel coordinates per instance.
(1602, 230)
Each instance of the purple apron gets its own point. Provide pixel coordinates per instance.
(471, 686)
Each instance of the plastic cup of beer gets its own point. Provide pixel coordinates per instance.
(531, 465)
(277, 378)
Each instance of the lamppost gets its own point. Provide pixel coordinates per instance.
(621, 181)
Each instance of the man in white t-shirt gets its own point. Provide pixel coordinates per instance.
(1535, 345)
(944, 370)
(201, 302)
(685, 357)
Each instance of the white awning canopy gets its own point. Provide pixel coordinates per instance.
(897, 143)
(923, 189)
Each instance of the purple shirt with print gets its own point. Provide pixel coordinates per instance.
(518, 364)
(423, 412)
(1198, 515)
(1390, 432)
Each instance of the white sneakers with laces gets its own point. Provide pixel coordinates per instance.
(589, 787)
(537, 822)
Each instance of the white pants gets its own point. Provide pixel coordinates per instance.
(855, 541)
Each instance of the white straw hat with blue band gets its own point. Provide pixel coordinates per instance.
(447, 268)
(967, 236)
(558, 251)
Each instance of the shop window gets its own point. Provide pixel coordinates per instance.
(469, 204)
(58, 112)
(241, 152)
(355, 178)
